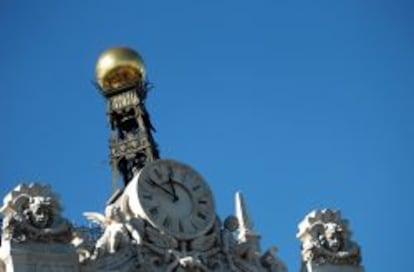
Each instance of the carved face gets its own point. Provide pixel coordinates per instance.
(40, 216)
(333, 238)
(116, 214)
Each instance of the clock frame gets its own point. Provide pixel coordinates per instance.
(173, 198)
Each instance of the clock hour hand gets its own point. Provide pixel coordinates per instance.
(171, 182)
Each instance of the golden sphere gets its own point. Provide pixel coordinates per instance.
(118, 67)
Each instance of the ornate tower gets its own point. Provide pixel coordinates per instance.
(121, 77)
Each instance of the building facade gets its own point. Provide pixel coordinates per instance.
(162, 216)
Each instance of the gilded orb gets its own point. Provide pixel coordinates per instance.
(118, 67)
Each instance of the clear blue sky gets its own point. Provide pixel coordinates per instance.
(299, 104)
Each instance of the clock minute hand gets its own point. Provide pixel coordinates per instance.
(162, 188)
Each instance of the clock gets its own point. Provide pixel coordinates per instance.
(173, 198)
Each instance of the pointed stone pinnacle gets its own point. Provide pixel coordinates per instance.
(243, 216)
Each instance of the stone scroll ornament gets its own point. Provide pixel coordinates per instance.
(326, 239)
(32, 213)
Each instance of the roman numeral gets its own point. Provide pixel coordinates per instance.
(202, 201)
(157, 173)
(154, 211)
(180, 226)
(147, 196)
(188, 226)
(166, 222)
(202, 216)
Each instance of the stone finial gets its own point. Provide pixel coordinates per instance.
(247, 251)
(243, 216)
(326, 239)
(32, 213)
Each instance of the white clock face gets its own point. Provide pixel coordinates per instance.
(175, 199)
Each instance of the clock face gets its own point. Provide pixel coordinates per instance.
(175, 199)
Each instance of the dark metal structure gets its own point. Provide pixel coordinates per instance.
(132, 144)
(121, 79)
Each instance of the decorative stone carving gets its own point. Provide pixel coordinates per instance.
(326, 239)
(35, 237)
(118, 232)
(247, 255)
(228, 241)
(271, 262)
(32, 213)
(85, 240)
(130, 243)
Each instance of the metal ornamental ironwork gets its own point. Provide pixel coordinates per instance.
(120, 74)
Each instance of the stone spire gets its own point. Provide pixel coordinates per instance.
(246, 233)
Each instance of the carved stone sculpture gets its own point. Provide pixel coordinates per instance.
(326, 239)
(131, 243)
(271, 262)
(32, 214)
(228, 241)
(35, 236)
(118, 232)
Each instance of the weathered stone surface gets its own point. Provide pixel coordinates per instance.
(34, 235)
(32, 213)
(35, 257)
(326, 243)
(130, 243)
(36, 238)
(332, 268)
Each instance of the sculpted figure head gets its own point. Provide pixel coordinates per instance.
(114, 214)
(325, 238)
(333, 237)
(32, 213)
(231, 223)
(40, 213)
